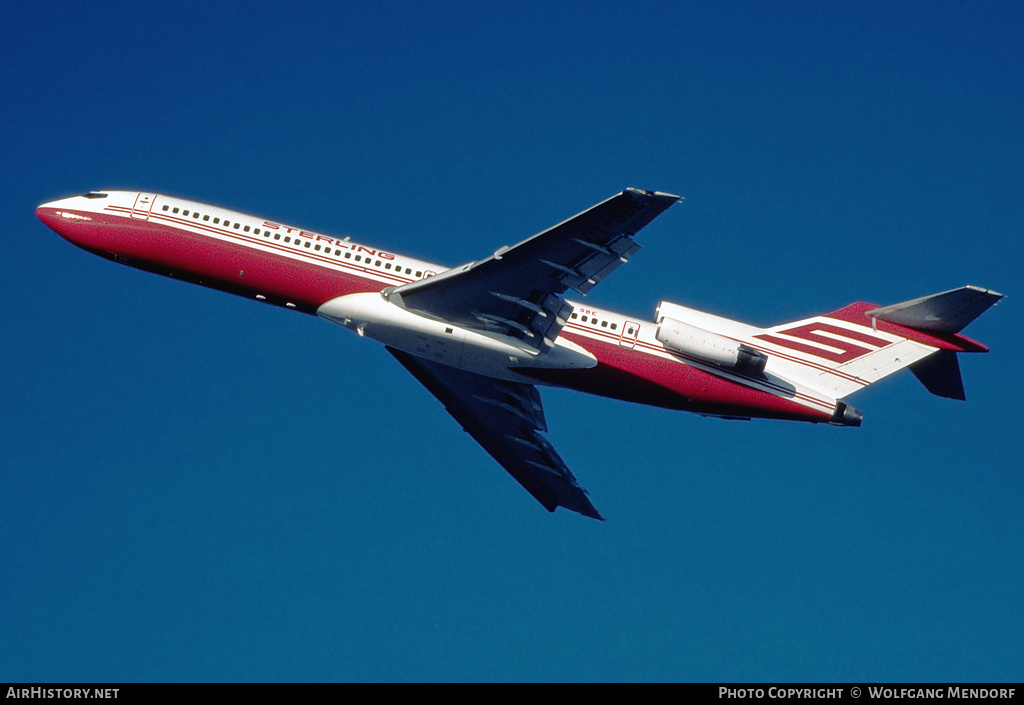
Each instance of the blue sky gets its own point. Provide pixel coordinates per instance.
(198, 487)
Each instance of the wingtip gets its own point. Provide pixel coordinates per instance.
(588, 511)
(582, 507)
(654, 194)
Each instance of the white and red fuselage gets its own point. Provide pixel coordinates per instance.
(598, 351)
(480, 336)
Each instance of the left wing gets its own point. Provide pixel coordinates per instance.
(507, 419)
(516, 291)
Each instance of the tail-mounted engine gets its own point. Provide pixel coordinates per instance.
(705, 345)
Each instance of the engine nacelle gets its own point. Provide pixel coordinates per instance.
(708, 346)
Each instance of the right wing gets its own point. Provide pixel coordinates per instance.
(517, 290)
(507, 419)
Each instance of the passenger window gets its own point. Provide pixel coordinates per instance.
(206, 218)
(174, 211)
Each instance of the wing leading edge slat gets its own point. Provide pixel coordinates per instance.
(507, 419)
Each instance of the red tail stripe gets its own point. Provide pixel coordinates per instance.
(841, 350)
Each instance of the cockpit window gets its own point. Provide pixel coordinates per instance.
(94, 194)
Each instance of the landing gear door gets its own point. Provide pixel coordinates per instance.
(630, 330)
(143, 204)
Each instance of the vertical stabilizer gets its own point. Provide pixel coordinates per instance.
(845, 351)
(940, 374)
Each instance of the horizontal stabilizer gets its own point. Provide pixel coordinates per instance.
(947, 312)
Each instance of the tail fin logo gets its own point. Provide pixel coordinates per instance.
(826, 341)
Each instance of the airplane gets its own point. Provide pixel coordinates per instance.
(481, 337)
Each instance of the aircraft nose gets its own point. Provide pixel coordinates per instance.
(47, 212)
(68, 218)
(71, 210)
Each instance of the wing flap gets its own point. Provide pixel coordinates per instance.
(507, 419)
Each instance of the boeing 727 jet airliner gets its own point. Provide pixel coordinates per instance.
(481, 337)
